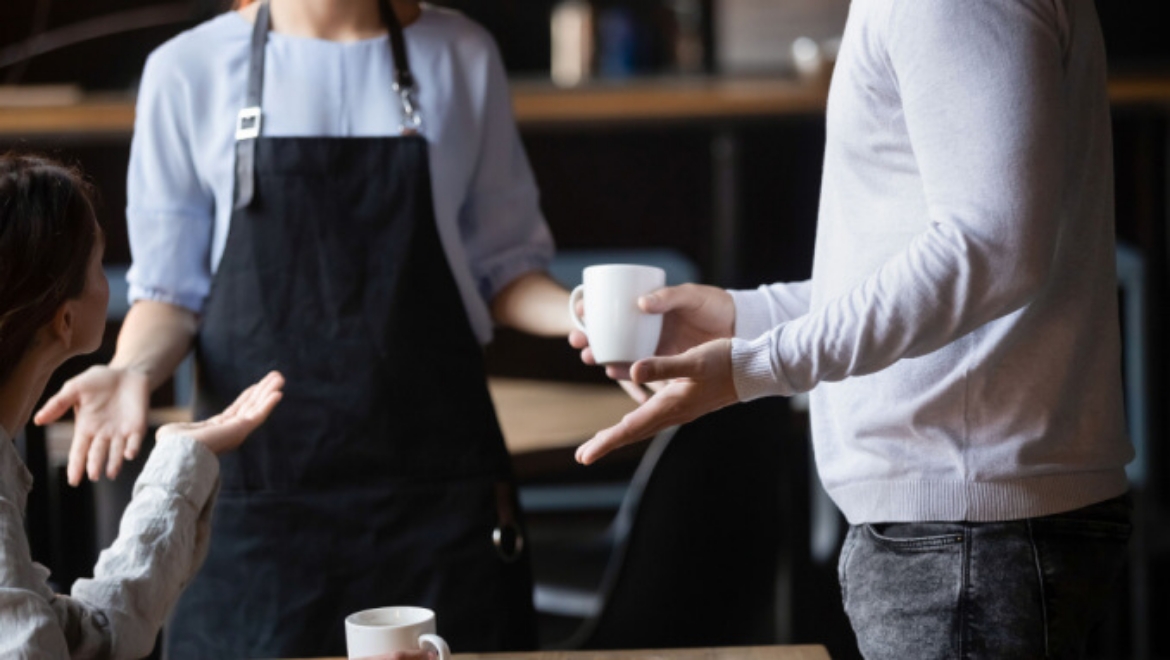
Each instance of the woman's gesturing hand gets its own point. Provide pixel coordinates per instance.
(229, 429)
(110, 407)
(700, 381)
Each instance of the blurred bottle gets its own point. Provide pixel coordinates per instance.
(687, 48)
(572, 42)
(807, 59)
(617, 43)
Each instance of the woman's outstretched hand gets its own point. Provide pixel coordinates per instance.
(110, 407)
(227, 430)
(700, 382)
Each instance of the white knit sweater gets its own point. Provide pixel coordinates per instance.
(960, 332)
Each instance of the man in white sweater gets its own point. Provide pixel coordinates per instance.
(958, 337)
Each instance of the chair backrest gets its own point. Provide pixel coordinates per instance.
(698, 540)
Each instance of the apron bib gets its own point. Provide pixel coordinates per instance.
(382, 478)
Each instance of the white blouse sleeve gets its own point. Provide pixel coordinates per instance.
(503, 229)
(170, 208)
(162, 541)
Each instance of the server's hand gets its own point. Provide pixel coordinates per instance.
(229, 429)
(700, 381)
(110, 407)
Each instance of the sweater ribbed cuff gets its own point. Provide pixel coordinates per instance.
(752, 369)
(184, 466)
(752, 316)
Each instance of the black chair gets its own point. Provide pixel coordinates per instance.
(695, 548)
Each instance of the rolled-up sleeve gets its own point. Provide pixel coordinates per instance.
(504, 231)
(29, 628)
(163, 540)
(170, 208)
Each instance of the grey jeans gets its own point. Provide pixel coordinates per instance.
(1020, 589)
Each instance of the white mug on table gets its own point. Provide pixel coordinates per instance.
(385, 630)
(618, 331)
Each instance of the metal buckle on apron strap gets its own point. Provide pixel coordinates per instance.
(509, 541)
(248, 123)
(412, 120)
(507, 537)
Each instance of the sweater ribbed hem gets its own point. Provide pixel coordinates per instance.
(752, 369)
(752, 317)
(183, 466)
(942, 501)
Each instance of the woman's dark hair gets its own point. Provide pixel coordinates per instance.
(47, 234)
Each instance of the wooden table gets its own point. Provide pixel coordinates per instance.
(539, 415)
(725, 653)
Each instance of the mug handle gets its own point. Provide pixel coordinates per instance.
(577, 294)
(436, 644)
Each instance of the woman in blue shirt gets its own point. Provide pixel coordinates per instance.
(335, 189)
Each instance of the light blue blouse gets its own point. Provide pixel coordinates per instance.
(180, 176)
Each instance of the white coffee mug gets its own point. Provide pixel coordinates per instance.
(381, 631)
(618, 331)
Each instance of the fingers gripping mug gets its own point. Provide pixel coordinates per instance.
(385, 630)
(618, 331)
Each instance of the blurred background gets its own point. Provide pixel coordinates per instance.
(685, 133)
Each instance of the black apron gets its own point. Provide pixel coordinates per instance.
(382, 477)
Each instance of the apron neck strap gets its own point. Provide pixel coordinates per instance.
(249, 119)
(256, 62)
(402, 75)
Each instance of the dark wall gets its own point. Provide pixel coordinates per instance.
(113, 55)
(1135, 34)
(114, 61)
(1133, 31)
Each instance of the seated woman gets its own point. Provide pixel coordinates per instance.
(53, 296)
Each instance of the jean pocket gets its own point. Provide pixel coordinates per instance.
(923, 538)
(843, 559)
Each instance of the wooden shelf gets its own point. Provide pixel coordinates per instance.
(1140, 91)
(665, 100)
(94, 117)
(539, 104)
